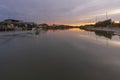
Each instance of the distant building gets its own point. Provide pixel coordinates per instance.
(12, 24)
(43, 25)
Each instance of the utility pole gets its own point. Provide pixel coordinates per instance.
(96, 19)
(106, 15)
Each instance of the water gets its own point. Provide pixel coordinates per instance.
(60, 55)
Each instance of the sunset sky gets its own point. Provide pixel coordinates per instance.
(73, 12)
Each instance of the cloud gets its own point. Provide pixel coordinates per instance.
(59, 11)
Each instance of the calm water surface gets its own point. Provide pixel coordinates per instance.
(60, 55)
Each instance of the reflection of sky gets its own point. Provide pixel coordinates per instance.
(66, 54)
(96, 39)
(8, 37)
(59, 11)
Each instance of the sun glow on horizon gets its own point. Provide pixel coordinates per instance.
(81, 24)
(77, 29)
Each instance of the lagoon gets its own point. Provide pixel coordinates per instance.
(72, 54)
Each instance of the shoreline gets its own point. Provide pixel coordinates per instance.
(116, 30)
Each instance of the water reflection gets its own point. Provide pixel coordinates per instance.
(99, 33)
(59, 55)
(107, 34)
(7, 37)
(37, 32)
